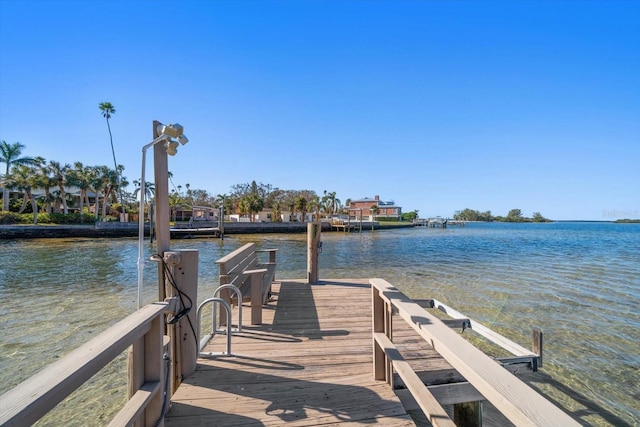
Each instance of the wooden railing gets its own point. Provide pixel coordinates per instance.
(143, 330)
(518, 402)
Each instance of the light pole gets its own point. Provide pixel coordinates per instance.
(168, 134)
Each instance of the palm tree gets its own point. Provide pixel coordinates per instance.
(251, 204)
(25, 178)
(107, 111)
(81, 176)
(225, 202)
(314, 206)
(149, 192)
(332, 202)
(175, 202)
(60, 175)
(276, 211)
(10, 156)
(44, 181)
(105, 181)
(291, 204)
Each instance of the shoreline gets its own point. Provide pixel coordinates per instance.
(116, 229)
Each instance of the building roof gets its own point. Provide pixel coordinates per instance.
(376, 201)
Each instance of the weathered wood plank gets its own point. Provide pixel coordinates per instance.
(516, 400)
(243, 251)
(39, 394)
(424, 398)
(304, 366)
(135, 406)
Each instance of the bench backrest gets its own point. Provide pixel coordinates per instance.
(233, 264)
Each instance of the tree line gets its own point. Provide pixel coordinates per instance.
(514, 215)
(52, 178)
(250, 198)
(28, 174)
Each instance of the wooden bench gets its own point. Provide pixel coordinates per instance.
(242, 269)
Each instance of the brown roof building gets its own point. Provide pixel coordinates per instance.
(368, 206)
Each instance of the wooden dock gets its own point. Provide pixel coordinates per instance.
(325, 354)
(309, 363)
(346, 226)
(350, 352)
(188, 233)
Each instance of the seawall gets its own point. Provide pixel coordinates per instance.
(116, 229)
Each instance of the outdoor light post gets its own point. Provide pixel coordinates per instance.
(167, 134)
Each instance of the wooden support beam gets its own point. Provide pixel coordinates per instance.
(432, 409)
(518, 364)
(516, 400)
(135, 406)
(445, 394)
(461, 323)
(489, 334)
(425, 303)
(537, 345)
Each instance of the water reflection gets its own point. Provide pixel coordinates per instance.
(579, 282)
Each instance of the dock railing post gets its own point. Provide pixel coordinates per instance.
(377, 304)
(221, 222)
(146, 364)
(313, 249)
(382, 322)
(185, 276)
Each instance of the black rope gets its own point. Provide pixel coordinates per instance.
(185, 309)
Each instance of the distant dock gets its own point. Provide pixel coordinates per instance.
(349, 226)
(437, 222)
(187, 232)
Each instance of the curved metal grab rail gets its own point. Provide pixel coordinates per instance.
(238, 294)
(203, 342)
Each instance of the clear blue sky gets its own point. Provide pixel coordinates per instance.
(436, 105)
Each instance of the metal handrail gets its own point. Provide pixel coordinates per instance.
(238, 294)
(204, 341)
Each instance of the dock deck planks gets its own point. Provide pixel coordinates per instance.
(309, 363)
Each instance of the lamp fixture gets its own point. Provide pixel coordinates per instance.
(171, 147)
(173, 131)
(168, 134)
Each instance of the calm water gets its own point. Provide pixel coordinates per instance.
(579, 282)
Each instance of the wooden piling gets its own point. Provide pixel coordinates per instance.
(468, 414)
(537, 345)
(313, 250)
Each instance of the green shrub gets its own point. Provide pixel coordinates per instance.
(45, 218)
(14, 218)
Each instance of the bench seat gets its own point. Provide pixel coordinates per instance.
(242, 269)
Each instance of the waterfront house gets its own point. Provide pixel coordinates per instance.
(366, 207)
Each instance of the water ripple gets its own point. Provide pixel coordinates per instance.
(579, 282)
